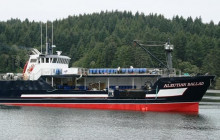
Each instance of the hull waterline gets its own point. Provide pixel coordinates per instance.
(158, 107)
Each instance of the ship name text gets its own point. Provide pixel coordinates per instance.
(176, 85)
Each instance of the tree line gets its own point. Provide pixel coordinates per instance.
(105, 39)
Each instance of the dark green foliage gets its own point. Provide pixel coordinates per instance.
(13, 58)
(105, 40)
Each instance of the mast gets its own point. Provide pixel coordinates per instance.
(46, 41)
(49, 43)
(52, 35)
(169, 48)
(52, 40)
(41, 40)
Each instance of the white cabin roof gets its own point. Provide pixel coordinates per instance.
(53, 56)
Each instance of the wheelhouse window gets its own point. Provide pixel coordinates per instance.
(33, 60)
(58, 61)
(66, 61)
(54, 60)
(51, 60)
(42, 60)
(62, 62)
(47, 60)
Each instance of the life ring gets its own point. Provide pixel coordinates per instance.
(30, 69)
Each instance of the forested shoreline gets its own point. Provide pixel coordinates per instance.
(105, 40)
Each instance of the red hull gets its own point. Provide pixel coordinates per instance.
(160, 107)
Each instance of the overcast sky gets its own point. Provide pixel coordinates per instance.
(43, 10)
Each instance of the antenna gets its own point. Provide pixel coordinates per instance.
(46, 40)
(46, 32)
(52, 39)
(52, 34)
(41, 37)
(52, 46)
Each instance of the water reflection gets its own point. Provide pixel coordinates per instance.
(58, 123)
(9, 107)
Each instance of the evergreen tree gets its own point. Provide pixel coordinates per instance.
(104, 40)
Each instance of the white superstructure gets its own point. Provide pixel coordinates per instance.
(47, 64)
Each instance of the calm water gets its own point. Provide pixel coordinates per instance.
(57, 123)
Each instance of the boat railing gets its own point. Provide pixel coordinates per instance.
(11, 76)
(125, 71)
(169, 72)
(82, 71)
(56, 71)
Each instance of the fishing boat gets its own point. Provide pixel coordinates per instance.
(48, 81)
